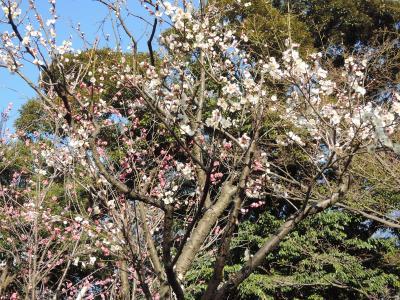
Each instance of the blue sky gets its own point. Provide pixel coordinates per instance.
(71, 12)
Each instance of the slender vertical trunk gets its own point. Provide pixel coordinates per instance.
(123, 271)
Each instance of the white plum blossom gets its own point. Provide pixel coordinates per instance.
(215, 118)
(295, 138)
(231, 89)
(185, 169)
(186, 129)
(92, 260)
(50, 22)
(244, 141)
(273, 68)
(396, 107)
(65, 47)
(360, 90)
(168, 198)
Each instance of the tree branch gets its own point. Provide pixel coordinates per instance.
(276, 238)
(122, 187)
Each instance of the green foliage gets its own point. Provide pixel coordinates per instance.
(346, 22)
(199, 276)
(33, 118)
(14, 159)
(327, 257)
(266, 26)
